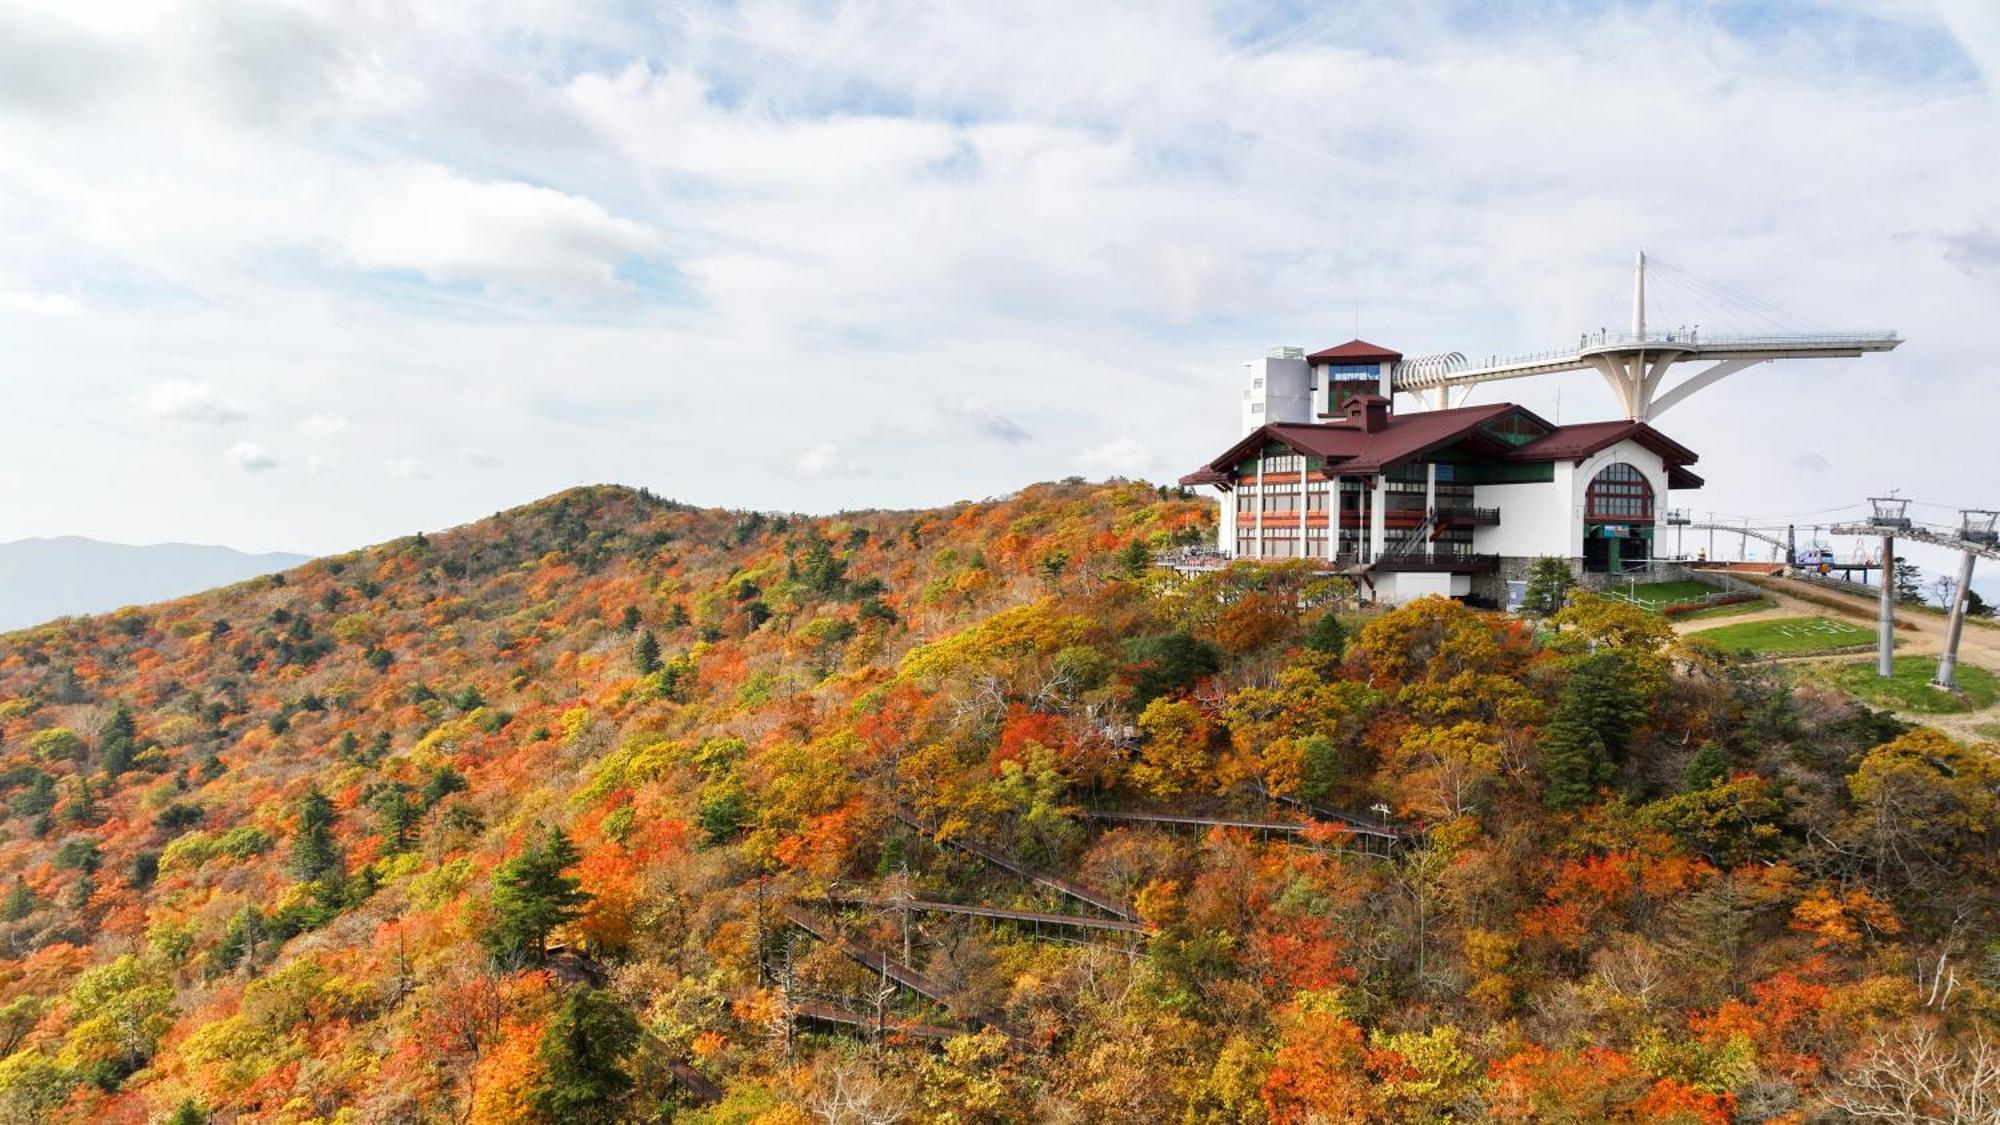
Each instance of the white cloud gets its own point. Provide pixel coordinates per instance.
(28, 301)
(509, 235)
(406, 468)
(984, 419)
(476, 457)
(250, 457)
(1122, 457)
(963, 243)
(824, 459)
(318, 466)
(181, 400)
(323, 424)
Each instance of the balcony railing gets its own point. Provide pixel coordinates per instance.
(1468, 517)
(1441, 556)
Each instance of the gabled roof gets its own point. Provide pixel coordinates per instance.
(1574, 443)
(1351, 450)
(1678, 477)
(1355, 351)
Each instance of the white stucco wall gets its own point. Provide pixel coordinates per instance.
(1547, 518)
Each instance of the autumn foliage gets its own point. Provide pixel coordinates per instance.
(607, 808)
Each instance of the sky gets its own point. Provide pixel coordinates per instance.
(308, 275)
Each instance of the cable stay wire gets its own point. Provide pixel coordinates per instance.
(1741, 303)
(1721, 312)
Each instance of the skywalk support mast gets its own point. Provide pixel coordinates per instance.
(1635, 364)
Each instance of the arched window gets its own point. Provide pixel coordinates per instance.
(1618, 494)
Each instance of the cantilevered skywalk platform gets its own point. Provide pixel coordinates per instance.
(1636, 363)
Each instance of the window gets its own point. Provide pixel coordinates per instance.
(1514, 429)
(1618, 494)
(1256, 408)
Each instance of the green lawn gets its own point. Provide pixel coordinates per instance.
(1654, 595)
(1988, 730)
(1729, 609)
(1910, 688)
(1787, 635)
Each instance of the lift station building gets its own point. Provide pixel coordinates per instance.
(1455, 501)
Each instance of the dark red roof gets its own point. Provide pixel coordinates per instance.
(1204, 476)
(1355, 351)
(1574, 443)
(1350, 450)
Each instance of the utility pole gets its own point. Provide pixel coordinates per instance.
(1975, 531)
(1885, 614)
(1890, 514)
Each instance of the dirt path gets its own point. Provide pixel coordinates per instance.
(1923, 636)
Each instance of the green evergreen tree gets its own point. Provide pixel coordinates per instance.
(1588, 732)
(1549, 584)
(531, 897)
(1907, 581)
(315, 857)
(646, 653)
(20, 901)
(677, 616)
(1976, 606)
(116, 741)
(39, 797)
(584, 1053)
(1134, 559)
(1167, 663)
(1708, 766)
(631, 619)
(1327, 635)
(443, 782)
(188, 1114)
(397, 816)
(239, 943)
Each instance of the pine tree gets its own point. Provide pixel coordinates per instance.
(398, 817)
(1907, 581)
(315, 857)
(1587, 735)
(583, 1056)
(1708, 766)
(116, 741)
(1549, 584)
(531, 897)
(20, 902)
(239, 941)
(1327, 635)
(188, 1114)
(1134, 559)
(646, 653)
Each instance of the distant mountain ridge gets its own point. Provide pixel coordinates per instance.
(43, 579)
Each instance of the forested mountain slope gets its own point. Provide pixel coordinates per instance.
(611, 809)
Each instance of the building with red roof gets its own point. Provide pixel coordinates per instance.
(1454, 501)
